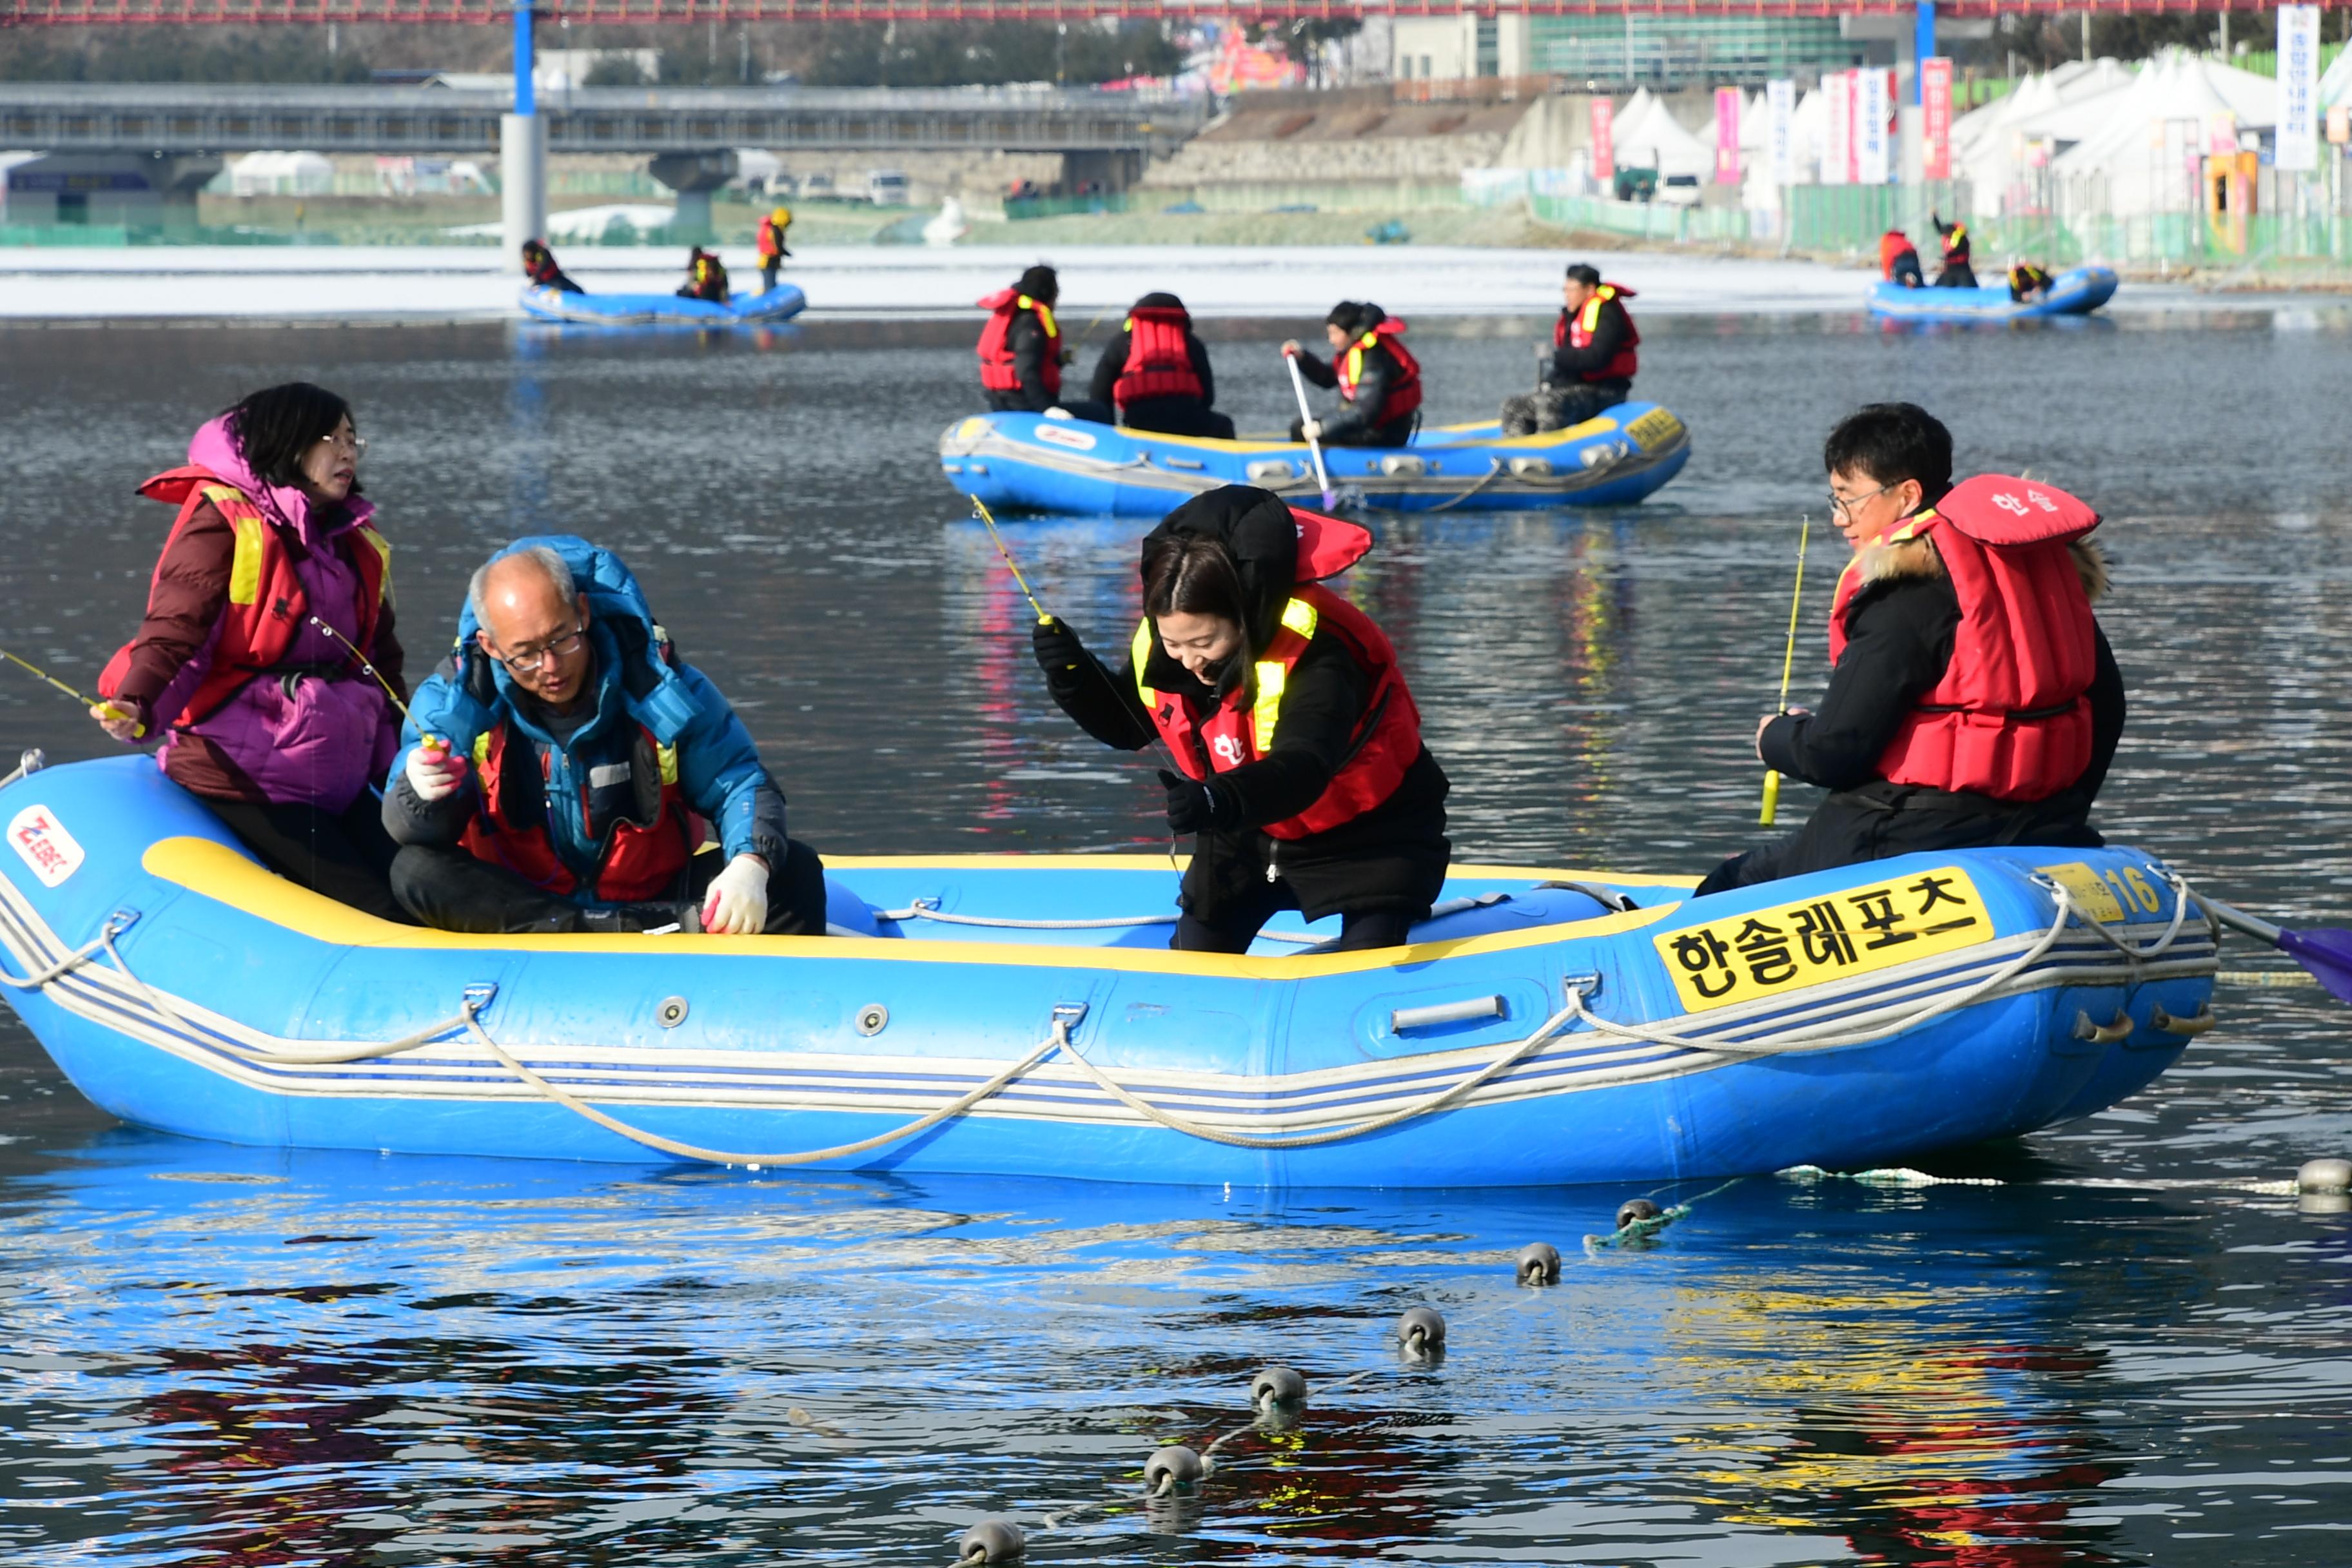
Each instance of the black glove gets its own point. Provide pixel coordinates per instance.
(1057, 647)
(1192, 806)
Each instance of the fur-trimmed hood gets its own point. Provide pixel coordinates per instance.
(1917, 558)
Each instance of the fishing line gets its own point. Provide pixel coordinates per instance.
(1771, 809)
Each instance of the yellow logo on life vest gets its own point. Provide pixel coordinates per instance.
(1770, 952)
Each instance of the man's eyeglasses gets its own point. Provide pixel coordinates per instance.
(1845, 504)
(528, 661)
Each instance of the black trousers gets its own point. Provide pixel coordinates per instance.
(1556, 407)
(348, 858)
(449, 889)
(1177, 416)
(1359, 929)
(1395, 433)
(1879, 820)
(1956, 275)
(768, 270)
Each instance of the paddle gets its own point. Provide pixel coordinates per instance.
(1788, 666)
(1314, 447)
(92, 703)
(2325, 954)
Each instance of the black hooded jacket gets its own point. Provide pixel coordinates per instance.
(1393, 856)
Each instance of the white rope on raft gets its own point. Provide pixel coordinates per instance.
(1058, 1039)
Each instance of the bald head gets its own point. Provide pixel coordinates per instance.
(531, 615)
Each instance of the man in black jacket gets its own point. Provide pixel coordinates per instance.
(1889, 465)
(1378, 378)
(1592, 362)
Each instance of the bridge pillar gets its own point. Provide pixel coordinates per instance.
(693, 175)
(522, 152)
(177, 180)
(1095, 171)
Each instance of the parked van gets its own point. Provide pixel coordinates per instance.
(887, 188)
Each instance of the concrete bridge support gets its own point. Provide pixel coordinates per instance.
(522, 152)
(694, 175)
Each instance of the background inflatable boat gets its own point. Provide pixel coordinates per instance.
(1022, 1015)
(1026, 462)
(778, 304)
(2077, 291)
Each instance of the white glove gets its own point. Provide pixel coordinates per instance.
(1312, 430)
(737, 903)
(433, 770)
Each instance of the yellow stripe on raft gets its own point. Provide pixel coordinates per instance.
(215, 871)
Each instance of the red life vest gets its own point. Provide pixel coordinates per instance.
(1404, 392)
(1955, 245)
(1159, 357)
(1893, 247)
(2012, 717)
(646, 850)
(267, 604)
(1241, 729)
(769, 238)
(997, 371)
(1575, 329)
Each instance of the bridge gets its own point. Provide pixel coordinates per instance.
(177, 118)
(92, 13)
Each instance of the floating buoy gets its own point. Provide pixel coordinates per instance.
(1539, 1264)
(1171, 1468)
(2324, 1177)
(992, 1541)
(1636, 1210)
(1277, 1386)
(1421, 1331)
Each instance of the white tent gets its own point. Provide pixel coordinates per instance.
(2136, 163)
(1988, 143)
(280, 174)
(2335, 86)
(1645, 136)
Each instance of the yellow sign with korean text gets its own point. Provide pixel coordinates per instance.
(1768, 952)
(1655, 429)
(2089, 889)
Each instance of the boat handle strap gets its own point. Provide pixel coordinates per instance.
(1442, 1013)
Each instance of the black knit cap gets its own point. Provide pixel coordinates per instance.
(1039, 282)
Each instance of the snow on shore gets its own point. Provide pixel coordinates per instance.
(348, 283)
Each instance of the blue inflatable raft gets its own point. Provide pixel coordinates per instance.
(1027, 462)
(2077, 291)
(1012, 1016)
(780, 303)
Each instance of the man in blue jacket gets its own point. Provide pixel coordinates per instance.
(557, 774)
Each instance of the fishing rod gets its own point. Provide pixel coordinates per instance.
(426, 742)
(1788, 667)
(980, 507)
(138, 729)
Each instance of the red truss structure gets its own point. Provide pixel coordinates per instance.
(102, 13)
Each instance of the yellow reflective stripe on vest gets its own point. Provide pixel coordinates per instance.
(669, 757)
(1045, 314)
(1139, 651)
(384, 550)
(482, 749)
(1300, 616)
(245, 522)
(1591, 316)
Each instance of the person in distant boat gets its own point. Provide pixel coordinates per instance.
(1898, 259)
(1956, 272)
(2028, 284)
(1021, 351)
(1378, 378)
(1972, 699)
(556, 774)
(1156, 373)
(706, 277)
(269, 717)
(539, 266)
(1303, 775)
(1593, 358)
(769, 242)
